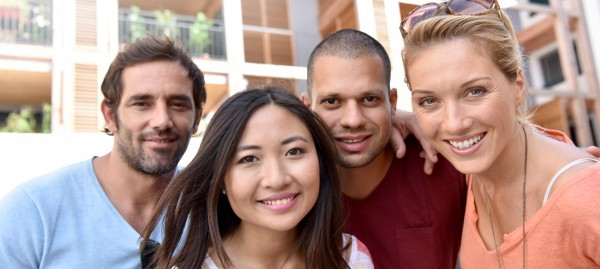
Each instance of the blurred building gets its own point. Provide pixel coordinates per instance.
(57, 52)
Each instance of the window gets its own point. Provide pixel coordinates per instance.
(542, 2)
(552, 70)
(539, 2)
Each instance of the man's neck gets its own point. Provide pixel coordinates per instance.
(359, 183)
(132, 193)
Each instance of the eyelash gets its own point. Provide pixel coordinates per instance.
(252, 158)
(470, 92)
(245, 159)
(426, 99)
(300, 151)
(478, 89)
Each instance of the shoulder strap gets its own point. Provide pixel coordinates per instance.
(562, 170)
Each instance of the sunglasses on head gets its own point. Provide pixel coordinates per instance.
(452, 7)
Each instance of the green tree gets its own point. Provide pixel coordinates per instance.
(24, 121)
(136, 23)
(167, 22)
(199, 34)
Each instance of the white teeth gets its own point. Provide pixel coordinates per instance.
(278, 202)
(466, 143)
(352, 140)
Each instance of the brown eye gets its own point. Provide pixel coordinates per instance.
(370, 99)
(330, 101)
(248, 159)
(294, 152)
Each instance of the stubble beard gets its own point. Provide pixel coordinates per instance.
(357, 160)
(158, 164)
(352, 160)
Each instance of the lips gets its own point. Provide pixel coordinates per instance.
(280, 202)
(350, 140)
(464, 144)
(352, 143)
(160, 139)
(161, 142)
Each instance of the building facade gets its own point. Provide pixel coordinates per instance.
(56, 52)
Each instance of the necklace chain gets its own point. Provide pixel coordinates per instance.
(524, 196)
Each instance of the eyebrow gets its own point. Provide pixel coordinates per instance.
(462, 85)
(375, 91)
(292, 139)
(138, 97)
(284, 142)
(474, 80)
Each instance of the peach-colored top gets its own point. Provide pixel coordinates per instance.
(564, 233)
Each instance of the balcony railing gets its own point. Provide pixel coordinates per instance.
(28, 22)
(204, 38)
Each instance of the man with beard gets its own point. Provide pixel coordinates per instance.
(407, 218)
(91, 214)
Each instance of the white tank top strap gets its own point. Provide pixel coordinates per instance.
(562, 170)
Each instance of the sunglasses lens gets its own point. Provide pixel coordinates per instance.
(424, 12)
(470, 7)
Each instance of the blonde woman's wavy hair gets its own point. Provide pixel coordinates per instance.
(492, 34)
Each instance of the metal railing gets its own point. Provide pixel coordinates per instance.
(204, 38)
(28, 22)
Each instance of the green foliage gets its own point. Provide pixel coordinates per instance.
(167, 22)
(46, 115)
(199, 35)
(24, 121)
(136, 26)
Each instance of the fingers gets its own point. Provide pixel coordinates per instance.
(403, 121)
(594, 151)
(397, 143)
(430, 152)
(429, 162)
(428, 167)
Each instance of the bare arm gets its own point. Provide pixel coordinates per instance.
(405, 123)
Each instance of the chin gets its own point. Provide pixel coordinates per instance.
(466, 166)
(469, 167)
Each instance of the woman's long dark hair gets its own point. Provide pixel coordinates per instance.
(193, 200)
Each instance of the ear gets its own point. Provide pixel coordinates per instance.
(520, 88)
(109, 116)
(305, 99)
(197, 119)
(393, 100)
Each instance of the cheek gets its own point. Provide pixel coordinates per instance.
(309, 177)
(383, 118)
(328, 116)
(235, 187)
(427, 122)
(185, 121)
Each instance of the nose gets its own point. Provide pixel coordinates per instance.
(275, 174)
(161, 117)
(456, 119)
(352, 115)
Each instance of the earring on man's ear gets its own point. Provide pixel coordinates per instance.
(223, 191)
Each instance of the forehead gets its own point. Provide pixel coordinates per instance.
(155, 77)
(333, 73)
(270, 124)
(452, 61)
